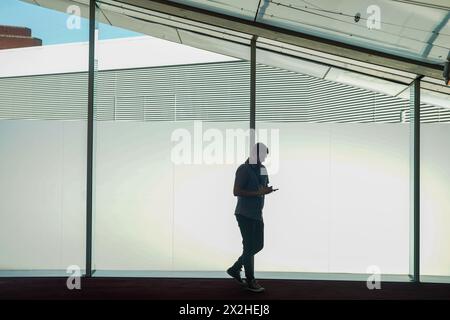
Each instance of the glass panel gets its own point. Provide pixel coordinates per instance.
(152, 212)
(415, 31)
(341, 161)
(190, 33)
(435, 187)
(43, 122)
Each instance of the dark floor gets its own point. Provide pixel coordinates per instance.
(216, 289)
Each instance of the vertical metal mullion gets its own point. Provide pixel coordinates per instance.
(252, 90)
(90, 139)
(416, 218)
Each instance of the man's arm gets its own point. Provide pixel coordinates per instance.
(238, 192)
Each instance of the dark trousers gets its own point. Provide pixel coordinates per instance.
(252, 232)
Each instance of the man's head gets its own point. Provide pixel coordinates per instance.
(258, 153)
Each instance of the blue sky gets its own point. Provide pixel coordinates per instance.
(50, 25)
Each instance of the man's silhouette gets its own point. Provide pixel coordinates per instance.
(250, 186)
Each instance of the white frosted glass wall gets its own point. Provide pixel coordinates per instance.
(296, 216)
(134, 196)
(153, 214)
(435, 199)
(343, 203)
(206, 235)
(43, 194)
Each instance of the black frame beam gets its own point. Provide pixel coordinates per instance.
(252, 91)
(416, 182)
(90, 138)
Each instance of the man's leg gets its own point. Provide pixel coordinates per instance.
(247, 227)
(253, 240)
(257, 245)
(258, 237)
(252, 232)
(238, 264)
(246, 230)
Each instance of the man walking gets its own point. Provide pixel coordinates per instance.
(250, 186)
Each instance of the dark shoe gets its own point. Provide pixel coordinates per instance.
(235, 274)
(254, 286)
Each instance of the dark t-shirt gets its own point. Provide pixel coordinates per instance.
(249, 177)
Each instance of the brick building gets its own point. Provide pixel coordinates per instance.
(17, 37)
